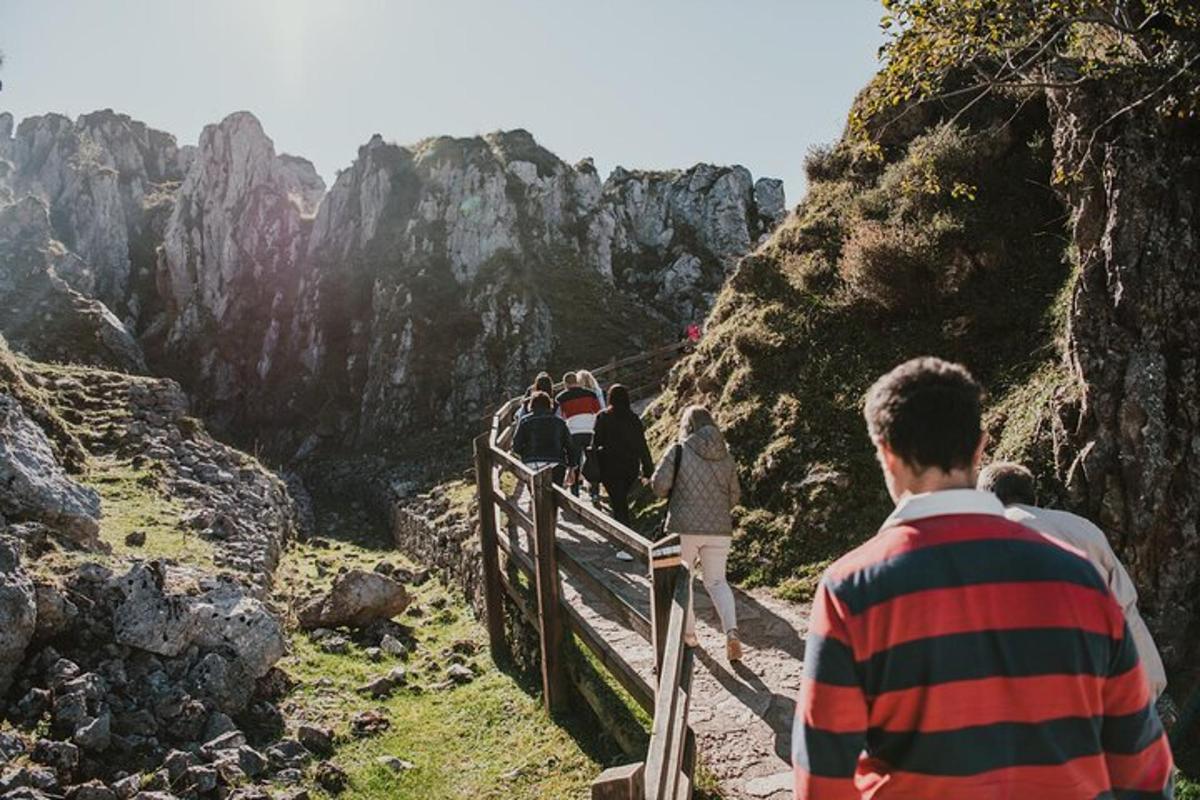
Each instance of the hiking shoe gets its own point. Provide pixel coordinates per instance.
(733, 647)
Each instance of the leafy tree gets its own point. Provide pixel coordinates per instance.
(965, 50)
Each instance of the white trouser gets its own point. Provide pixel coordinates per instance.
(711, 552)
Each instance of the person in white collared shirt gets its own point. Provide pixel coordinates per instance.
(1015, 487)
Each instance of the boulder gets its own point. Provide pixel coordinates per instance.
(356, 599)
(55, 612)
(36, 486)
(316, 740)
(18, 612)
(153, 618)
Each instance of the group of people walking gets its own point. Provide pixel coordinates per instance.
(976, 646)
(585, 435)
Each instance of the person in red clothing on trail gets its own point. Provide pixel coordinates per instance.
(578, 406)
(958, 654)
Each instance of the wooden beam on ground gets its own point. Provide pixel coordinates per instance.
(619, 783)
(492, 591)
(549, 592)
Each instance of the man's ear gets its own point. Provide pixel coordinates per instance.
(887, 458)
(980, 449)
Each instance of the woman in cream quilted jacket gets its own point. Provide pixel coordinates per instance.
(703, 492)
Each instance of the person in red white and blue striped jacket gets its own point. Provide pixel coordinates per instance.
(957, 654)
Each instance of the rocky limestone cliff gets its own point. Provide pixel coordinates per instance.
(101, 177)
(428, 281)
(41, 313)
(433, 278)
(229, 262)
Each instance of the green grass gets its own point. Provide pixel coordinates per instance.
(131, 501)
(490, 738)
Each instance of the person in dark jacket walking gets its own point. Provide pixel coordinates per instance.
(543, 440)
(620, 444)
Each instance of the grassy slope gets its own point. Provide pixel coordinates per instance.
(951, 245)
(490, 738)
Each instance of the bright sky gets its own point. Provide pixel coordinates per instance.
(640, 83)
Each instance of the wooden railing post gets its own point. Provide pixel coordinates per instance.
(667, 775)
(664, 573)
(493, 592)
(549, 590)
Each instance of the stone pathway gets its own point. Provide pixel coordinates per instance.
(742, 713)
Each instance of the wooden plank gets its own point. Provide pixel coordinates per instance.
(549, 592)
(505, 460)
(637, 357)
(492, 596)
(522, 561)
(632, 541)
(631, 616)
(619, 783)
(663, 761)
(613, 661)
(687, 775)
(665, 573)
(519, 599)
(514, 512)
(677, 752)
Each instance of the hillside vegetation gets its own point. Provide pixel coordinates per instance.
(948, 240)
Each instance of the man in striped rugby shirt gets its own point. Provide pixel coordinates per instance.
(958, 654)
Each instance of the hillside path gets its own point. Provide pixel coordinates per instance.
(741, 713)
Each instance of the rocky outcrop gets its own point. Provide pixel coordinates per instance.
(40, 313)
(228, 498)
(438, 277)
(35, 487)
(230, 262)
(154, 618)
(1129, 449)
(673, 237)
(98, 175)
(428, 281)
(18, 613)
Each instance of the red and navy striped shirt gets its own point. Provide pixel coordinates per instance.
(960, 655)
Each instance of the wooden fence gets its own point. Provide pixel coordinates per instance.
(527, 564)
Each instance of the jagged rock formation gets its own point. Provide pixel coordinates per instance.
(101, 176)
(18, 612)
(438, 277)
(430, 278)
(36, 488)
(40, 313)
(230, 260)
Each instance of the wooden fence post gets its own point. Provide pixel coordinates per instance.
(664, 573)
(545, 523)
(493, 592)
(620, 783)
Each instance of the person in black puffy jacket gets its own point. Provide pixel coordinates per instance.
(543, 440)
(620, 445)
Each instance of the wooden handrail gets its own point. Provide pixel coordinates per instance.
(638, 357)
(620, 535)
(668, 737)
(668, 770)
